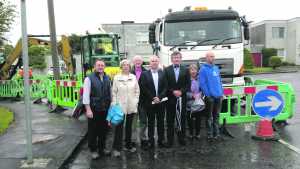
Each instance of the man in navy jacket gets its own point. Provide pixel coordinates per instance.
(153, 89)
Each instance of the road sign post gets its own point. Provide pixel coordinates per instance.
(26, 82)
(267, 104)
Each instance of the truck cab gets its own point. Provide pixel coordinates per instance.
(194, 32)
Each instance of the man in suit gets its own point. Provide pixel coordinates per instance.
(137, 71)
(153, 90)
(178, 82)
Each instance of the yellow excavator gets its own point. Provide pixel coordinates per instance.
(8, 69)
(66, 52)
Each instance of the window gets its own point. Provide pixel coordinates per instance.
(278, 32)
(197, 31)
(142, 38)
(280, 52)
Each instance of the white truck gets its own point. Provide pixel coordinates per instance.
(194, 32)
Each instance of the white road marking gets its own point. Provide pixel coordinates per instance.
(296, 149)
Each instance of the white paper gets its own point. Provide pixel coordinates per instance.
(162, 100)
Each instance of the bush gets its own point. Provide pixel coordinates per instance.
(275, 61)
(267, 53)
(7, 50)
(37, 55)
(248, 62)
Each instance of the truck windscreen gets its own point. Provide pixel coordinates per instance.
(194, 31)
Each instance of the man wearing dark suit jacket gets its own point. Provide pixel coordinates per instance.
(178, 82)
(153, 90)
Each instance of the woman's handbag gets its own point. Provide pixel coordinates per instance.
(115, 114)
(197, 105)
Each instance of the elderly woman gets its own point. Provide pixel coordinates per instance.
(137, 70)
(125, 92)
(194, 116)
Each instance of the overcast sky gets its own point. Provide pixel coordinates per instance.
(77, 16)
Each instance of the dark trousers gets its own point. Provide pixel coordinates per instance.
(171, 114)
(194, 122)
(118, 137)
(156, 112)
(213, 108)
(97, 131)
(128, 128)
(142, 122)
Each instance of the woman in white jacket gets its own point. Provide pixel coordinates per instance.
(125, 92)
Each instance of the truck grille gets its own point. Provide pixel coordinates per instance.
(226, 69)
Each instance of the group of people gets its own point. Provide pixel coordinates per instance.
(157, 96)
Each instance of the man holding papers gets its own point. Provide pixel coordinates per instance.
(153, 92)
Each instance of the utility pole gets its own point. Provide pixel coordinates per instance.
(52, 29)
(26, 82)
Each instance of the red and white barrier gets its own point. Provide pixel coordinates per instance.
(247, 90)
(34, 81)
(66, 83)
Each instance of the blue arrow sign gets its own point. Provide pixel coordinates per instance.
(267, 103)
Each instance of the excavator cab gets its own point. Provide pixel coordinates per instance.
(99, 46)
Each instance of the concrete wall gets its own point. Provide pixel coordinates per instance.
(275, 42)
(134, 38)
(258, 34)
(297, 40)
(291, 42)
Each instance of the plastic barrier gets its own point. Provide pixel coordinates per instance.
(239, 98)
(65, 93)
(8, 88)
(237, 108)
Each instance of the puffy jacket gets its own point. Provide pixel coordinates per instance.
(126, 91)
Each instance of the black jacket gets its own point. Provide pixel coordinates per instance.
(183, 84)
(147, 88)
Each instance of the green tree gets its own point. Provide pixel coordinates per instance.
(248, 62)
(7, 15)
(37, 55)
(7, 50)
(267, 53)
(275, 61)
(74, 41)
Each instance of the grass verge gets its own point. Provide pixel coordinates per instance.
(6, 117)
(259, 70)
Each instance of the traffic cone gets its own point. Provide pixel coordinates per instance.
(265, 131)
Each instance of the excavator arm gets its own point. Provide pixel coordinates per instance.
(12, 57)
(5, 68)
(66, 52)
